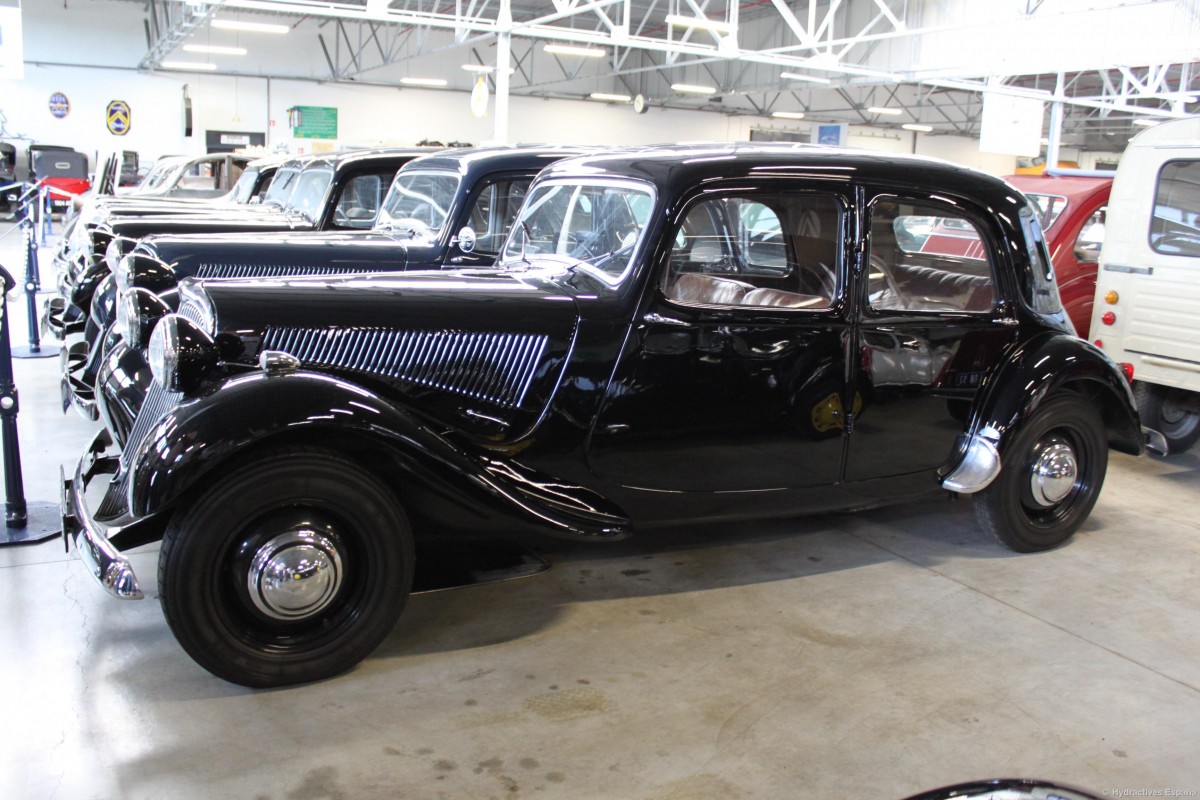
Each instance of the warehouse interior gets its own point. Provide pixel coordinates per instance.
(880, 653)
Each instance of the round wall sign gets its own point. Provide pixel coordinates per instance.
(119, 117)
(60, 106)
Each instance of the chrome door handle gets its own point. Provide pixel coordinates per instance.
(659, 319)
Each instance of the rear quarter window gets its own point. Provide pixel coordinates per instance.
(1175, 226)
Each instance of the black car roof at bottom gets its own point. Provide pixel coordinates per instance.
(351, 158)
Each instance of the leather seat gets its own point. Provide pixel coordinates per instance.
(696, 289)
(780, 299)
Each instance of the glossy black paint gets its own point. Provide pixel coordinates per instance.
(667, 412)
(1006, 788)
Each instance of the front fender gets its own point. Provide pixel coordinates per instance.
(1041, 368)
(85, 287)
(198, 439)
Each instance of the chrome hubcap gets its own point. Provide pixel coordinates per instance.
(295, 575)
(1053, 474)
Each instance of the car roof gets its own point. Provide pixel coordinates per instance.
(349, 158)
(471, 161)
(671, 168)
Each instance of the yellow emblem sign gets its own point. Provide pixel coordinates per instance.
(118, 116)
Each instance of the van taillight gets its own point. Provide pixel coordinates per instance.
(1128, 370)
(1109, 318)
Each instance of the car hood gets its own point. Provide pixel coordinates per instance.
(480, 350)
(267, 255)
(231, 219)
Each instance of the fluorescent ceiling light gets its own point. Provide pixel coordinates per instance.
(913, 126)
(424, 81)
(702, 23)
(252, 27)
(796, 76)
(214, 49)
(692, 88)
(1146, 122)
(572, 50)
(478, 68)
(789, 114)
(610, 98)
(193, 65)
(893, 112)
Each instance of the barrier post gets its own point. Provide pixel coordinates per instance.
(46, 212)
(20, 525)
(32, 282)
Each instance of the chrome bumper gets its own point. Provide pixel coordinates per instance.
(60, 318)
(74, 390)
(106, 564)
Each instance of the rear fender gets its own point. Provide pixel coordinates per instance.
(1044, 367)
(203, 438)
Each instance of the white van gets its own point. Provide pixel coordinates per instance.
(1147, 310)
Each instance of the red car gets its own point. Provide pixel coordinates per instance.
(1072, 215)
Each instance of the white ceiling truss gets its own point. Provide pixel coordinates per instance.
(934, 59)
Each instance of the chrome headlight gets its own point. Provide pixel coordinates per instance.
(137, 313)
(113, 252)
(179, 353)
(145, 271)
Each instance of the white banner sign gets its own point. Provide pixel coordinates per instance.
(1011, 125)
(12, 52)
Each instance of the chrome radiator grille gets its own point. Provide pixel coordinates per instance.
(157, 403)
(271, 270)
(192, 313)
(496, 367)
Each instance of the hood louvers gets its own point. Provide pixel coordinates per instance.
(494, 367)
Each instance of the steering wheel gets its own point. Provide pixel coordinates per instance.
(580, 244)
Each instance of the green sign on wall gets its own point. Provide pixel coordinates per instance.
(313, 122)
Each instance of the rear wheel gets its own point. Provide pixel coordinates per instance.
(289, 569)
(1051, 477)
(1164, 409)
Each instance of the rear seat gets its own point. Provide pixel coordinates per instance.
(781, 299)
(930, 289)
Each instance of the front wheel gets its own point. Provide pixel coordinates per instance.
(289, 569)
(1050, 477)
(1164, 409)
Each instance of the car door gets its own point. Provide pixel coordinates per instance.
(734, 376)
(932, 323)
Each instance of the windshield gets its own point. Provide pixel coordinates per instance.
(281, 187)
(418, 203)
(243, 190)
(1049, 208)
(588, 224)
(309, 196)
(157, 176)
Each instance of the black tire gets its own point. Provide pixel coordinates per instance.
(1011, 510)
(1161, 409)
(286, 510)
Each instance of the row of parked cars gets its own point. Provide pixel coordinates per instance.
(583, 343)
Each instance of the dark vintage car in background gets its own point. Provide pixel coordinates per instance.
(330, 192)
(452, 208)
(671, 334)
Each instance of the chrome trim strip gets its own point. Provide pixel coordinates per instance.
(1129, 270)
(978, 469)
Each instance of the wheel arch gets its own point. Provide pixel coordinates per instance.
(1047, 367)
(440, 481)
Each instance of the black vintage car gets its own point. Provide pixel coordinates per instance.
(671, 334)
(330, 192)
(450, 208)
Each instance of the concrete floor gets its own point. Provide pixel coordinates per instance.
(871, 655)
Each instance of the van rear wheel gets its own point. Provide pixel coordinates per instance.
(1165, 409)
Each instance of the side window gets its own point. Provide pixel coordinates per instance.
(925, 257)
(763, 250)
(1175, 227)
(493, 212)
(359, 202)
(1091, 237)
